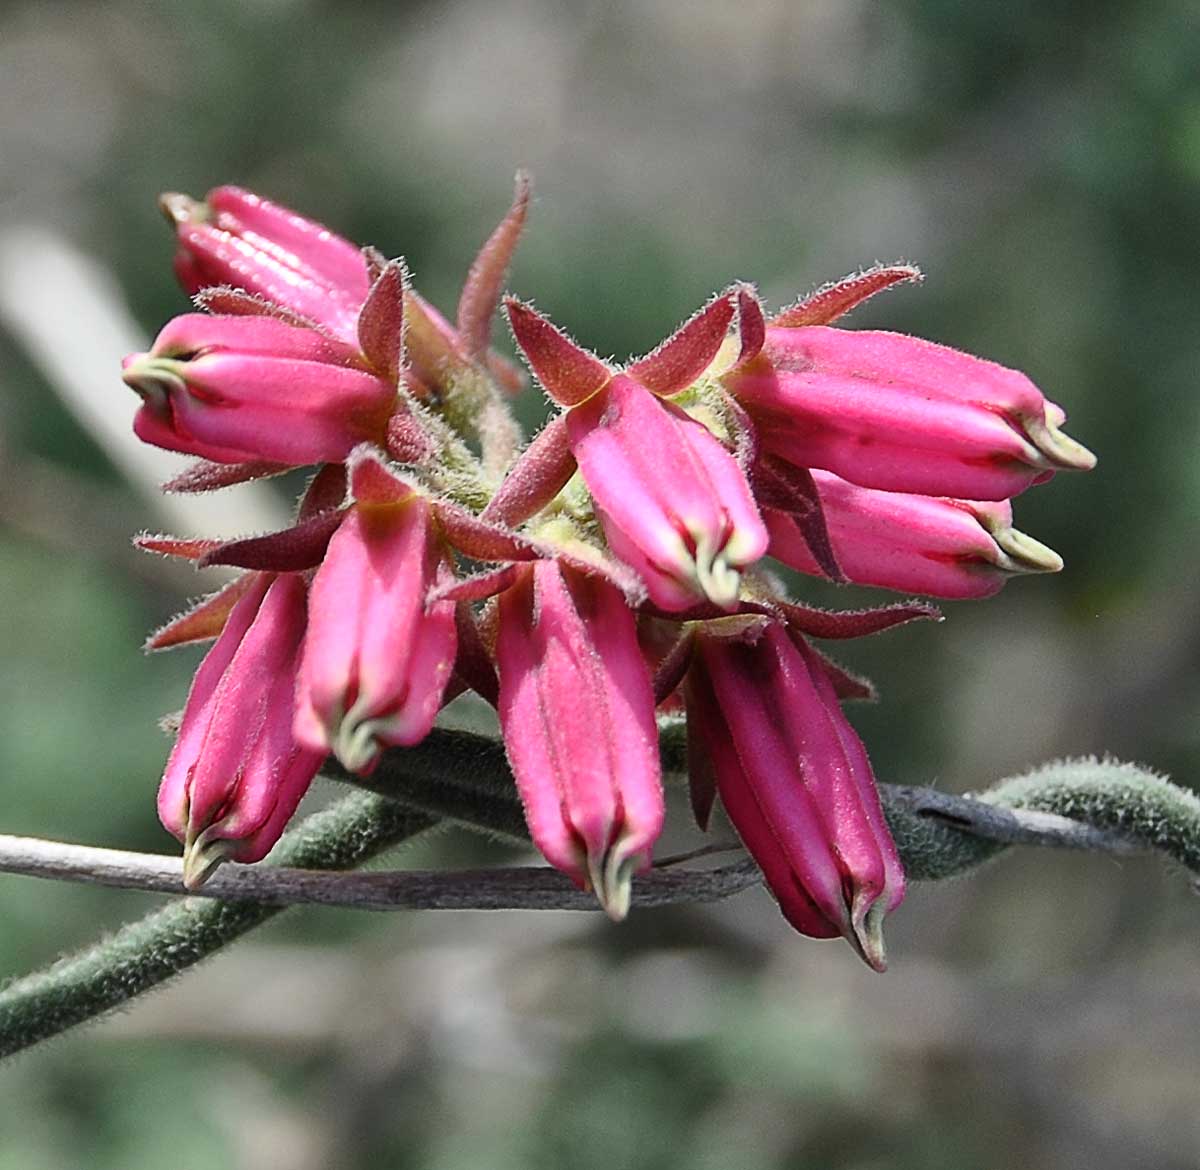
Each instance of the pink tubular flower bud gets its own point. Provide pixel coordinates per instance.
(235, 774)
(795, 780)
(239, 239)
(901, 414)
(237, 389)
(577, 712)
(674, 503)
(914, 544)
(377, 657)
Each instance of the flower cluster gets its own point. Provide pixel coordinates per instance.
(613, 568)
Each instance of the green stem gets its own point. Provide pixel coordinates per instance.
(454, 775)
(144, 954)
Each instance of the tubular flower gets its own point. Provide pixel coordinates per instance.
(673, 501)
(237, 389)
(903, 415)
(795, 780)
(236, 239)
(377, 656)
(235, 774)
(577, 712)
(914, 544)
(241, 240)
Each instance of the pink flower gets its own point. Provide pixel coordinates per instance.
(795, 780)
(235, 774)
(673, 501)
(237, 389)
(577, 712)
(239, 239)
(377, 656)
(900, 414)
(914, 544)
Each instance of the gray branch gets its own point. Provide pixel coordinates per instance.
(918, 816)
(515, 888)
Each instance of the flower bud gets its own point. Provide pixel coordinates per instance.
(914, 544)
(577, 711)
(239, 239)
(901, 414)
(235, 774)
(673, 501)
(795, 780)
(377, 657)
(234, 389)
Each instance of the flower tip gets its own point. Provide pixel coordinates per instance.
(152, 377)
(1060, 450)
(866, 935)
(611, 878)
(177, 208)
(355, 745)
(201, 858)
(1023, 554)
(718, 580)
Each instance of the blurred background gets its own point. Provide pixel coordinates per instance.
(1040, 161)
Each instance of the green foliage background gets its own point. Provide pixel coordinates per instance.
(1041, 161)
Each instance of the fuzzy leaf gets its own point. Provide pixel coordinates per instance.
(203, 621)
(538, 475)
(372, 481)
(480, 539)
(381, 321)
(186, 548)
(477, 587)
(856, 623)
(205, 476)
(688, 352)
(485, 280)
(845, 684)
(791, 489)
(291, 550)
(325, 492)
(831, 301)
(225, 300)
(568, 373)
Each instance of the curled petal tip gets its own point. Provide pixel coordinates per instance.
(1059, 449)
(611, 879)
(201, 858)
(867, 935)
(154, 378)
(177, 208)
(717, 579)
(1023, 554)
(355, 744)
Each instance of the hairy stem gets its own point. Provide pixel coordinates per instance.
(144, 954)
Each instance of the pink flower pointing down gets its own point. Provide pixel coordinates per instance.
(900, 414)
(577, 711)
(237, 389)
(795, 780)
(673, 501)
(377, 657)
(914, 544)
(235, 774)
